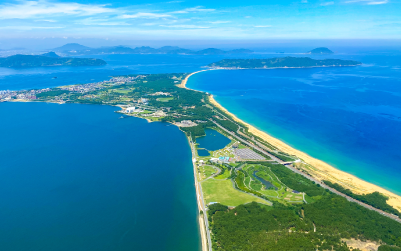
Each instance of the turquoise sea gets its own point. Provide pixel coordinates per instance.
(75, 177)
(349, 117)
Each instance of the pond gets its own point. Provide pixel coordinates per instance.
(266, 183)
(203, 153)
(213, 140)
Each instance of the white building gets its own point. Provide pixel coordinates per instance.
(130, 110)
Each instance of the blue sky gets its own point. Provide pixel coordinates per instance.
(147, 20)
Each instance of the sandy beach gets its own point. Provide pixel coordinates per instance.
(317, 168)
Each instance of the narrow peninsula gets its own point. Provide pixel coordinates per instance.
(256, 193)
(283, 62)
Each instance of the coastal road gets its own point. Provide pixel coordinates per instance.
(292, 168)
(201, 201)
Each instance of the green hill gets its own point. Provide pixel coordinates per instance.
(320, 50)
(285, 62)
(40, 60)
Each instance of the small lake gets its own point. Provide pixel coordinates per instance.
(203, 153)
(266, 183)
(213, 140)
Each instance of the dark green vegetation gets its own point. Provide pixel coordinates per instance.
(291, 226)
(320, 50)
(388, 248)
(51, 93)
(77, 49)
(281, 63)
(375, 199)
(42, 60)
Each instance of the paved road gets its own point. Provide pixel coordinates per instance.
(199, 188)
(308, 176)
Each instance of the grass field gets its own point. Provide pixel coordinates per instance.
(283, 193)
(206, 171)
(165, 99)
(222, 191)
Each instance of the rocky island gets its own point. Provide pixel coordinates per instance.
(320, 50)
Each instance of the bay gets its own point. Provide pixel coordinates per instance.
(349, 117)
(76, 177)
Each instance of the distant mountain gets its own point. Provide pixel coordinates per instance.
(211, 51)
(40, 60)
(77, 49)
(320, 50)
(285, 62)
(72, 47)
(50, 54)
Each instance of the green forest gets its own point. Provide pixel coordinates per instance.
(281, 63)
(291, 227)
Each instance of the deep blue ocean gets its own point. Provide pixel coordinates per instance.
(75, 177)
(349, 117)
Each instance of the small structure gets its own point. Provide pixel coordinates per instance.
(214, 160)
(186, 123)
(130, 109)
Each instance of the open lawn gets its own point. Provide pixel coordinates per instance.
(222, 191)
(165, 99)
(205, 171)
(223, 176)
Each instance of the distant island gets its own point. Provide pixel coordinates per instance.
(284, 62)
(77, 49)
(321, 50)
(47, 59)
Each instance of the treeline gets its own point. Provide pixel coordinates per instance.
(374, 199)
(229, 125)
(51, 93)
(253, 227)
(197, 131)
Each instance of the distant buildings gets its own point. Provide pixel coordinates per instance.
(186, 123)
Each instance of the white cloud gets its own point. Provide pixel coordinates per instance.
(248, 16)
(100, 22)
(327, 3)
(262, 26)
(146, 15)
(192, 10)
(304, 1)
(368, 2)
(186, 26)
(40, 8)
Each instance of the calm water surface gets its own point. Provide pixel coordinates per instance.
(213, 140)
(75, 177)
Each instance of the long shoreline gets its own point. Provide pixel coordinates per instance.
(319, 170)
